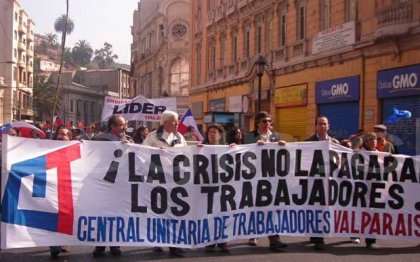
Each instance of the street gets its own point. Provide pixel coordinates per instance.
(337, 249)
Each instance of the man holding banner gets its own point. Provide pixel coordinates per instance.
(261, 135)
(115, 132)
(167, 136)
(322, 126)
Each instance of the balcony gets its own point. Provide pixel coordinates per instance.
(220, 73)
(220, 12)
(26, 111)
(299, 48)
(280, 54)
(242, 3)
(233, 69)
(29, 53)
(210, 17)
(30, 37)
(21, 46)
(395, 19)
(29, 68)
(22, 28)
(21, 63)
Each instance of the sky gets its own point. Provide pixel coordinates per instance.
(97, 21)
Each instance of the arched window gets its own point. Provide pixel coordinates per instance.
(180, 77)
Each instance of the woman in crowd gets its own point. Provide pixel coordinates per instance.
(235, 136)
(140, 134)
(215, 136)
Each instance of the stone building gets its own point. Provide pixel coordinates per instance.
(16, 62)
(161, 50)
(351, 60)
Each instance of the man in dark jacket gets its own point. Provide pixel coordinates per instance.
(115, 132)
(322, 126)
(261, 135)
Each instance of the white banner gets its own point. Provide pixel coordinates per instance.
(109, 193)
(138, 108)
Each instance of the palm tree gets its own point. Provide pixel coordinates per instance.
(60, 25)
(82, 53)
(51, 38)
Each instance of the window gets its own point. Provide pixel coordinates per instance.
(85, 112)
(161, 80)
(283, 29)
(301, 23)
(234, 48)
(78, 109)
(268, 30)
(211, 4)
(247, 43)
(161, 33)
(92, 111)
(212, 55)
(71, 105)
(16, 35)
(198, 63)
(15, 52)
(259, 39)
(15, 73)
(222, 49)
(180, 75)
(325, 14)
(351, 10)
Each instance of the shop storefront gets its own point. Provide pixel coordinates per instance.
(399, 91)
(291, 112)
(338, 99)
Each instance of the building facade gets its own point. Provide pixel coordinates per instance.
(161, 47)
(82, 93)
(351, 60)
(16, 62)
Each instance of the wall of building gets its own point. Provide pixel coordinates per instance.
(16, 61)
(370, 36)
(161, 37)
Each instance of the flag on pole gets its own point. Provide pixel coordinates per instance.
(57, 119)
(188, 121)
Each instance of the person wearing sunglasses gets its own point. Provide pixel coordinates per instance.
(263, 134)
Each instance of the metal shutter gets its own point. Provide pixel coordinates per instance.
(291, 123)
(405, 132)
(343, 118)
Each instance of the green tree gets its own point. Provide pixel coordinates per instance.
(82, 53)
(68, 57)
(60, 25)
(52, 39)
(104, 56)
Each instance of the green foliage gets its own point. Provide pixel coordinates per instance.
(82, 53)
(104, 56)
(60, 25)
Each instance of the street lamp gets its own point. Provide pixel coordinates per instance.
(260, 64)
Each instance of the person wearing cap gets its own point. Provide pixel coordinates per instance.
(383, 145)
(369, 144)
(322, 126)
(262, 135)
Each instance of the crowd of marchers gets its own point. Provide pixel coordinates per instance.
(167, 135)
